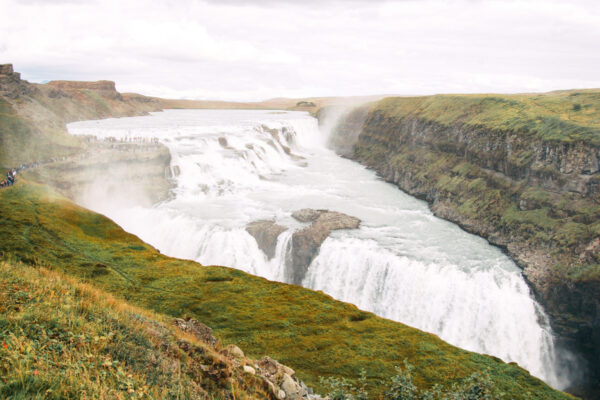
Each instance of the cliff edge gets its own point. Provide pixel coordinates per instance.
(519, 170)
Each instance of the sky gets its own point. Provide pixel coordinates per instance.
(254, 50)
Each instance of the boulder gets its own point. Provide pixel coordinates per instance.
(196, 329)
(307, 214)
(307, 242)
(223, 142)
(287, 370)
(233, 351)
(265, 233)
(292, 389)
(249, 370)
(268, 366)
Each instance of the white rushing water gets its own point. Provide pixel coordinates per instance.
(403, 263)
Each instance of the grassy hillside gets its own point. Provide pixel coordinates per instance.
(62, 339)
(307, 330)
(21, 141)
(562, 116)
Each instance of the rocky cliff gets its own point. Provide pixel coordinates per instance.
(33, 116)
(33, 120)
(521, 171)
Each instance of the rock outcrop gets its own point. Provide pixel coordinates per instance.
(266, 233)
(106, 89)
(280, 381)
(11, 85)
(307, 241)
(196, 329)
(124, 173)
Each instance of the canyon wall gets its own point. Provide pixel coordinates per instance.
(520, 171)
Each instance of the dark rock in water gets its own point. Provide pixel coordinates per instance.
(307, 214)
(307, 242)
(197, 329)
(223, 142)
(266, 233)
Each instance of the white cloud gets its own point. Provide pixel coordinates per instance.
(258, 49)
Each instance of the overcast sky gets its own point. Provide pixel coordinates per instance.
(251, 50)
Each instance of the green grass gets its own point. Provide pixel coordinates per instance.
(61, 339)
(549, 116)
(307, 330)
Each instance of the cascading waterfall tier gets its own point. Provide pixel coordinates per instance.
(235, 167)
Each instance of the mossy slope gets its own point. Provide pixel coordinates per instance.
(309, 331)
(565, 116)
(62, 339)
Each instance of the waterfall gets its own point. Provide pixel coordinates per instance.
(235, 167)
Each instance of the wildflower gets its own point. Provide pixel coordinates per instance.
(4, 345)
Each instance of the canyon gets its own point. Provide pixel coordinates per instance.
(528, 184)
(104, 164)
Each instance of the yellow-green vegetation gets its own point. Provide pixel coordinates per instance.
(307, 330)
(22, 142)
(562, 115)
(62, 339)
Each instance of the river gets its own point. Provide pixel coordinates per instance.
(405, 264)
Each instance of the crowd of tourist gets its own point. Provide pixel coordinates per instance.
(126, 139)
(11, 175)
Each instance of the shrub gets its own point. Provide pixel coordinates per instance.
(478, 386)
(341, 389)
(402, 387)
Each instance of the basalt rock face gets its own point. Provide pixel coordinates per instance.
(105, 89)
(306, 242)
(124, 174)
(538, 199)
(11, 85)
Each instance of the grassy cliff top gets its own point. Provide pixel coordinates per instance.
(567, 116)
(307, 330)
(63, 339)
